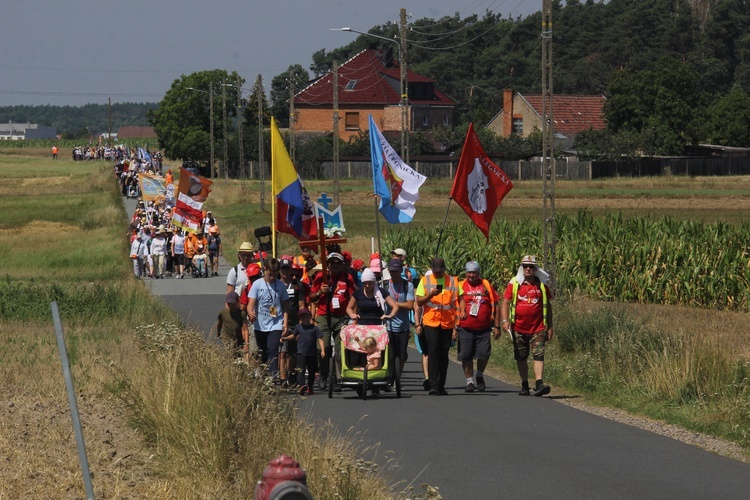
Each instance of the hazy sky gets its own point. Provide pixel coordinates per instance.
(73, 52)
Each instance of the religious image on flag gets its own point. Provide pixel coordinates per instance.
(394, 181)
(192, 191)
(479, 186)
(153, 187)
(294, 210)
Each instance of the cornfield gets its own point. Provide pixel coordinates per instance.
(643, 260)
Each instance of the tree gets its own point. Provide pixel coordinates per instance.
(183, 122)
(280, 91)
(727, 120)
(659, 104)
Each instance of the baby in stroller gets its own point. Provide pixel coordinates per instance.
(373, 360)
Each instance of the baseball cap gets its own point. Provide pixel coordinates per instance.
(400, 251)
(285, 263)
(252, 270)
(395, 265)
(232, 298)
(335, 255)
(304, 311)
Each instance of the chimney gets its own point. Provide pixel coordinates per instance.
(507, 112)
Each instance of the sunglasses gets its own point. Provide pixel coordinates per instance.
(529, 266)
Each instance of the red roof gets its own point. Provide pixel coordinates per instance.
(572, 113)
(373, 83)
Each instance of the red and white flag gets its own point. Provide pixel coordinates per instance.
(192, 192)
(479, 186)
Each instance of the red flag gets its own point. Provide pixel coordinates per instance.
(286, 214)
(479, 186)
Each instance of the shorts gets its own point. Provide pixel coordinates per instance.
(473, 344)
(179, 259)
(533, 342)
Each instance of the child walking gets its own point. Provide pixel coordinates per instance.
(309, 340)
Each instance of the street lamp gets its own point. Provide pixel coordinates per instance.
(211, 119)
(404, 91)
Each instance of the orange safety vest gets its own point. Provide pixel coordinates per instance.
(440, 311)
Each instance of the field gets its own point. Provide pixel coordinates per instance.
(63, 239)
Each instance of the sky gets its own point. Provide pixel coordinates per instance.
(74, 52)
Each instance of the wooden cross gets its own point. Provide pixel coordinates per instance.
(320, 244)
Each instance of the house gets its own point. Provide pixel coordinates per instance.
(22, 131)
(522, 114)
(370, 83)
(134, 132)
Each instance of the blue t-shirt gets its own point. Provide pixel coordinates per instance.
(307, 339)
(267, 297)
(403, 292)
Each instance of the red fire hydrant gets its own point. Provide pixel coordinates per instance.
(283, 479)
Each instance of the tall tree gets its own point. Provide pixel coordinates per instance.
(183, 120)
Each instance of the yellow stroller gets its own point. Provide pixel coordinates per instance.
(362, 380)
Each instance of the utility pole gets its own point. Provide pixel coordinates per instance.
(291, 115)
(239, 131)
(211, 124)
(109, 120)
(260, 143)
(404, 90)
(224, 167)
(336, 133)
(548, 149)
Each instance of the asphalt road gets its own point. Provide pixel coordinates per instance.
(494, 444)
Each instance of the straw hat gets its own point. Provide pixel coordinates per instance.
(246, 246)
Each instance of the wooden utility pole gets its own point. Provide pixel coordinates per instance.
(260, 143)
(404, 90)
(239, 130)
(109, 120)
(224, 166)
(336, 132)
(548, 149)
(211, 125)
(291, 115)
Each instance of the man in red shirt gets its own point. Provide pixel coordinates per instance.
(527, 314)
(332, 293)
(477, 303)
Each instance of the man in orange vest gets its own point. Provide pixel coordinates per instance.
(437, 294)
(477, 307)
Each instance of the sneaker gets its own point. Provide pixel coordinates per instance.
(480, 384)
(323, 383)
(442, 392)
(310, 391)
(469, 387)
(542, 390)
(433, 393)
(524, 392)
(426, 384)
(303, 390)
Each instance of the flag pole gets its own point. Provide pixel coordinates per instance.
(273, 194)
(442, 228)
(377, 229)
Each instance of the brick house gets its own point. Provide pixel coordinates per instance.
(370, 83)
(135, 132)
(522, 114)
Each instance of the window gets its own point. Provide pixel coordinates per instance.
(351, 121)
(446, 120)
(351, 84)
(425, 121)
(518, 126)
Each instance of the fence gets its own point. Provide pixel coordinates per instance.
(567, 168)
